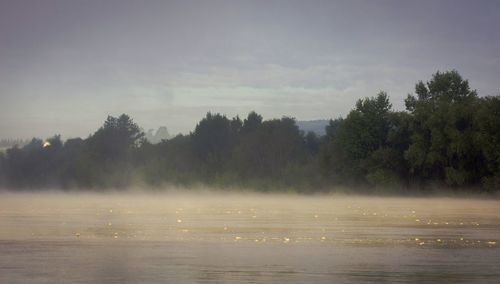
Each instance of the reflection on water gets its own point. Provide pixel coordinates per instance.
(214, 238)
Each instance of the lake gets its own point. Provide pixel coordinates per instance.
(202, 237)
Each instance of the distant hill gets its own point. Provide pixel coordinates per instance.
(316, 126)
(161, 134)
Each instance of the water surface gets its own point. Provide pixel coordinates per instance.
(249, 238)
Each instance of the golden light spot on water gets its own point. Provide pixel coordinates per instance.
(413, 212)
(316, 216)
(254, 216)
(237, 238)
(185, 230)
(421, 243)
(323, 238)
(116, 237)
(110, 210)
(110, 224)
(417, 220)
(286, 240)
(461, 239)
(225, 228)
(439, 240)
(417, 239)
(492, 243)
(179, 221)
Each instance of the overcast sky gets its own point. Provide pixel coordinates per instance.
(65, 65)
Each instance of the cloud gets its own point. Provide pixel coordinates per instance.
(65, 65)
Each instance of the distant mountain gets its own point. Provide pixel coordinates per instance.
(161, 134)
(316, 126)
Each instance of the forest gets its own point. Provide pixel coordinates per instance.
(448, 137)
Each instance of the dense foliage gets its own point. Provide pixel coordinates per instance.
(447, 137)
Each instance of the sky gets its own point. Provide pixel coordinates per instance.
(66, 65)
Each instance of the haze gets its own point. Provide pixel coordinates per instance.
(246, 238)
(66, 65)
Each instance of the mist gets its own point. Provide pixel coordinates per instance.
(234, 141)
(239, 237)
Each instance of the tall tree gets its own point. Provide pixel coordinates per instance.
(213, 140)
(487, 140)
(351, 141)
(107, 157)
(442, 130)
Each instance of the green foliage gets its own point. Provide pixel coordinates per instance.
(442, 141)
(213, 141)
(448, 136)
(487, 140)
(384, 179)
(352, 143)
(106, 160)
(268, 149)
(115, 139)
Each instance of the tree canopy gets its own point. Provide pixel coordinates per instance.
(448, 136)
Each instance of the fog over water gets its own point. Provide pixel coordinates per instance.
(202, 237)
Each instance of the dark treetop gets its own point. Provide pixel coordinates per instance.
(448, 137)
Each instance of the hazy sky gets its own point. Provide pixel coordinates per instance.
(65, 65)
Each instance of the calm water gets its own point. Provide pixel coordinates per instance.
(216, 238)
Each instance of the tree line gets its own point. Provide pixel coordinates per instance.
(448, 137)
